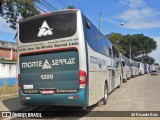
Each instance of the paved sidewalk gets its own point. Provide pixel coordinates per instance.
(5, 97)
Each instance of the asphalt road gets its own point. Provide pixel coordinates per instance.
(138, 94)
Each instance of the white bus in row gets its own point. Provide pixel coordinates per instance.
(134, 68)
(126, 69)
(146, 68)
(140, 68)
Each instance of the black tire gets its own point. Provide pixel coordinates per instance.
(120, 83)
(105, 98)
(133, 76)
(126, 79)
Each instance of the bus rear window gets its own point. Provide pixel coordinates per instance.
(48, 28)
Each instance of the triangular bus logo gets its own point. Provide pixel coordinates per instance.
(46, 65)
(45, 30)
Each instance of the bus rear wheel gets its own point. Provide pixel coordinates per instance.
(105, 99)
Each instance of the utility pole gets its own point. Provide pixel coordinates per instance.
(100, 22)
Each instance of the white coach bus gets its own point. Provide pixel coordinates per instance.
(140, 68)
(146, 68)
(65, 60)
(134, 69)
(126, 69)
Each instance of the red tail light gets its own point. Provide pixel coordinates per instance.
(23, 98)
(20, 21)
(82, 79)
(19, 77)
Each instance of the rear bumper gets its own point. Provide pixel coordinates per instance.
(141, 73)
(154, 73)
(80, 100)
(146, 72)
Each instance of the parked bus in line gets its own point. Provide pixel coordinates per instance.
(140, 68)
(146, 68)
(126, 69)
(134, 68)
(65, 60)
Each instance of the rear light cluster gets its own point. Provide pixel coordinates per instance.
(82, 79)
(19, 77)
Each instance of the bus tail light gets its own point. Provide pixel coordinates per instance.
(83, 79)
(21, 20)
(19, 84)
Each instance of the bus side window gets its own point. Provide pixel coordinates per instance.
(117, 64)
(110, 51)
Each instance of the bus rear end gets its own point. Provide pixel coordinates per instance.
(51, 71)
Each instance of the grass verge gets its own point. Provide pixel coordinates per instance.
(8, 91)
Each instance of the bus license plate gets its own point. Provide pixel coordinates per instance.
(48, 92)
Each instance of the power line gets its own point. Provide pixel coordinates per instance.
(62, 4)
(50, 5)
(65, 2)
(40, 2)
(40, 9)
(57, 5)
(36, 6)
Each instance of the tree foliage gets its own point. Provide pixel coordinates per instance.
(115, 38)
(138, 42)
(140, 45)
(145, 59)
(12, 10)
(156, 64)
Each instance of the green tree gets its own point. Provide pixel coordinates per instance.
(156, 64)
(145, 59)
(12, 10)
(115, 38)
(140, 44)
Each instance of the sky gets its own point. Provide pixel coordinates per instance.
(138, 16)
